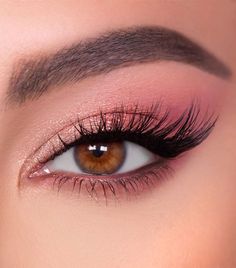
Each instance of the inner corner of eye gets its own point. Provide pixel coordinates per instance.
(101, 158)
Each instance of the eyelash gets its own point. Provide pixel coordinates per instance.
(147, 127)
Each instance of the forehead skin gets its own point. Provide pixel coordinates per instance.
(78, 236)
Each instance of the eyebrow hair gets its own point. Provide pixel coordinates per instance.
(32, 77)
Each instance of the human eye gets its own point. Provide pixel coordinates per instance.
(102, 158)
(119, 153)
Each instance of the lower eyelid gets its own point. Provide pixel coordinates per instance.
(118, 186)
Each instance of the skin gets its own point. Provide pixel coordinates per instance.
(187, 222)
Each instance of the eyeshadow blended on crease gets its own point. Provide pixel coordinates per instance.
(31, 78)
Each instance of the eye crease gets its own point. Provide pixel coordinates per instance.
(122, 152)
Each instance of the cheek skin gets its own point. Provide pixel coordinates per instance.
(204, 217)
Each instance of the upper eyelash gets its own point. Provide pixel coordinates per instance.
(148, 128)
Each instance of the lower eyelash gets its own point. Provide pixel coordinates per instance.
(123, 186)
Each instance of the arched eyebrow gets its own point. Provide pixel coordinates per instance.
(32, 77)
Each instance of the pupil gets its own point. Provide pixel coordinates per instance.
(97, 153)
(97, 150)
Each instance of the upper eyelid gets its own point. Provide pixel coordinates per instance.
(69, 134)
(71, 125)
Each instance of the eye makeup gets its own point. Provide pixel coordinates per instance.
(159, 130)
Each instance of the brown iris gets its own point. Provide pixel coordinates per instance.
(100, 158)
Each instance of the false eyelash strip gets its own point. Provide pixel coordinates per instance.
(150, 128)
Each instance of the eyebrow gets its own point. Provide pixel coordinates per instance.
(34, 76)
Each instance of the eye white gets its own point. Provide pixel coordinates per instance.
(136, 157)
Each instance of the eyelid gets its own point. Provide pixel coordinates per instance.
(118, 186)
(71, 133)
